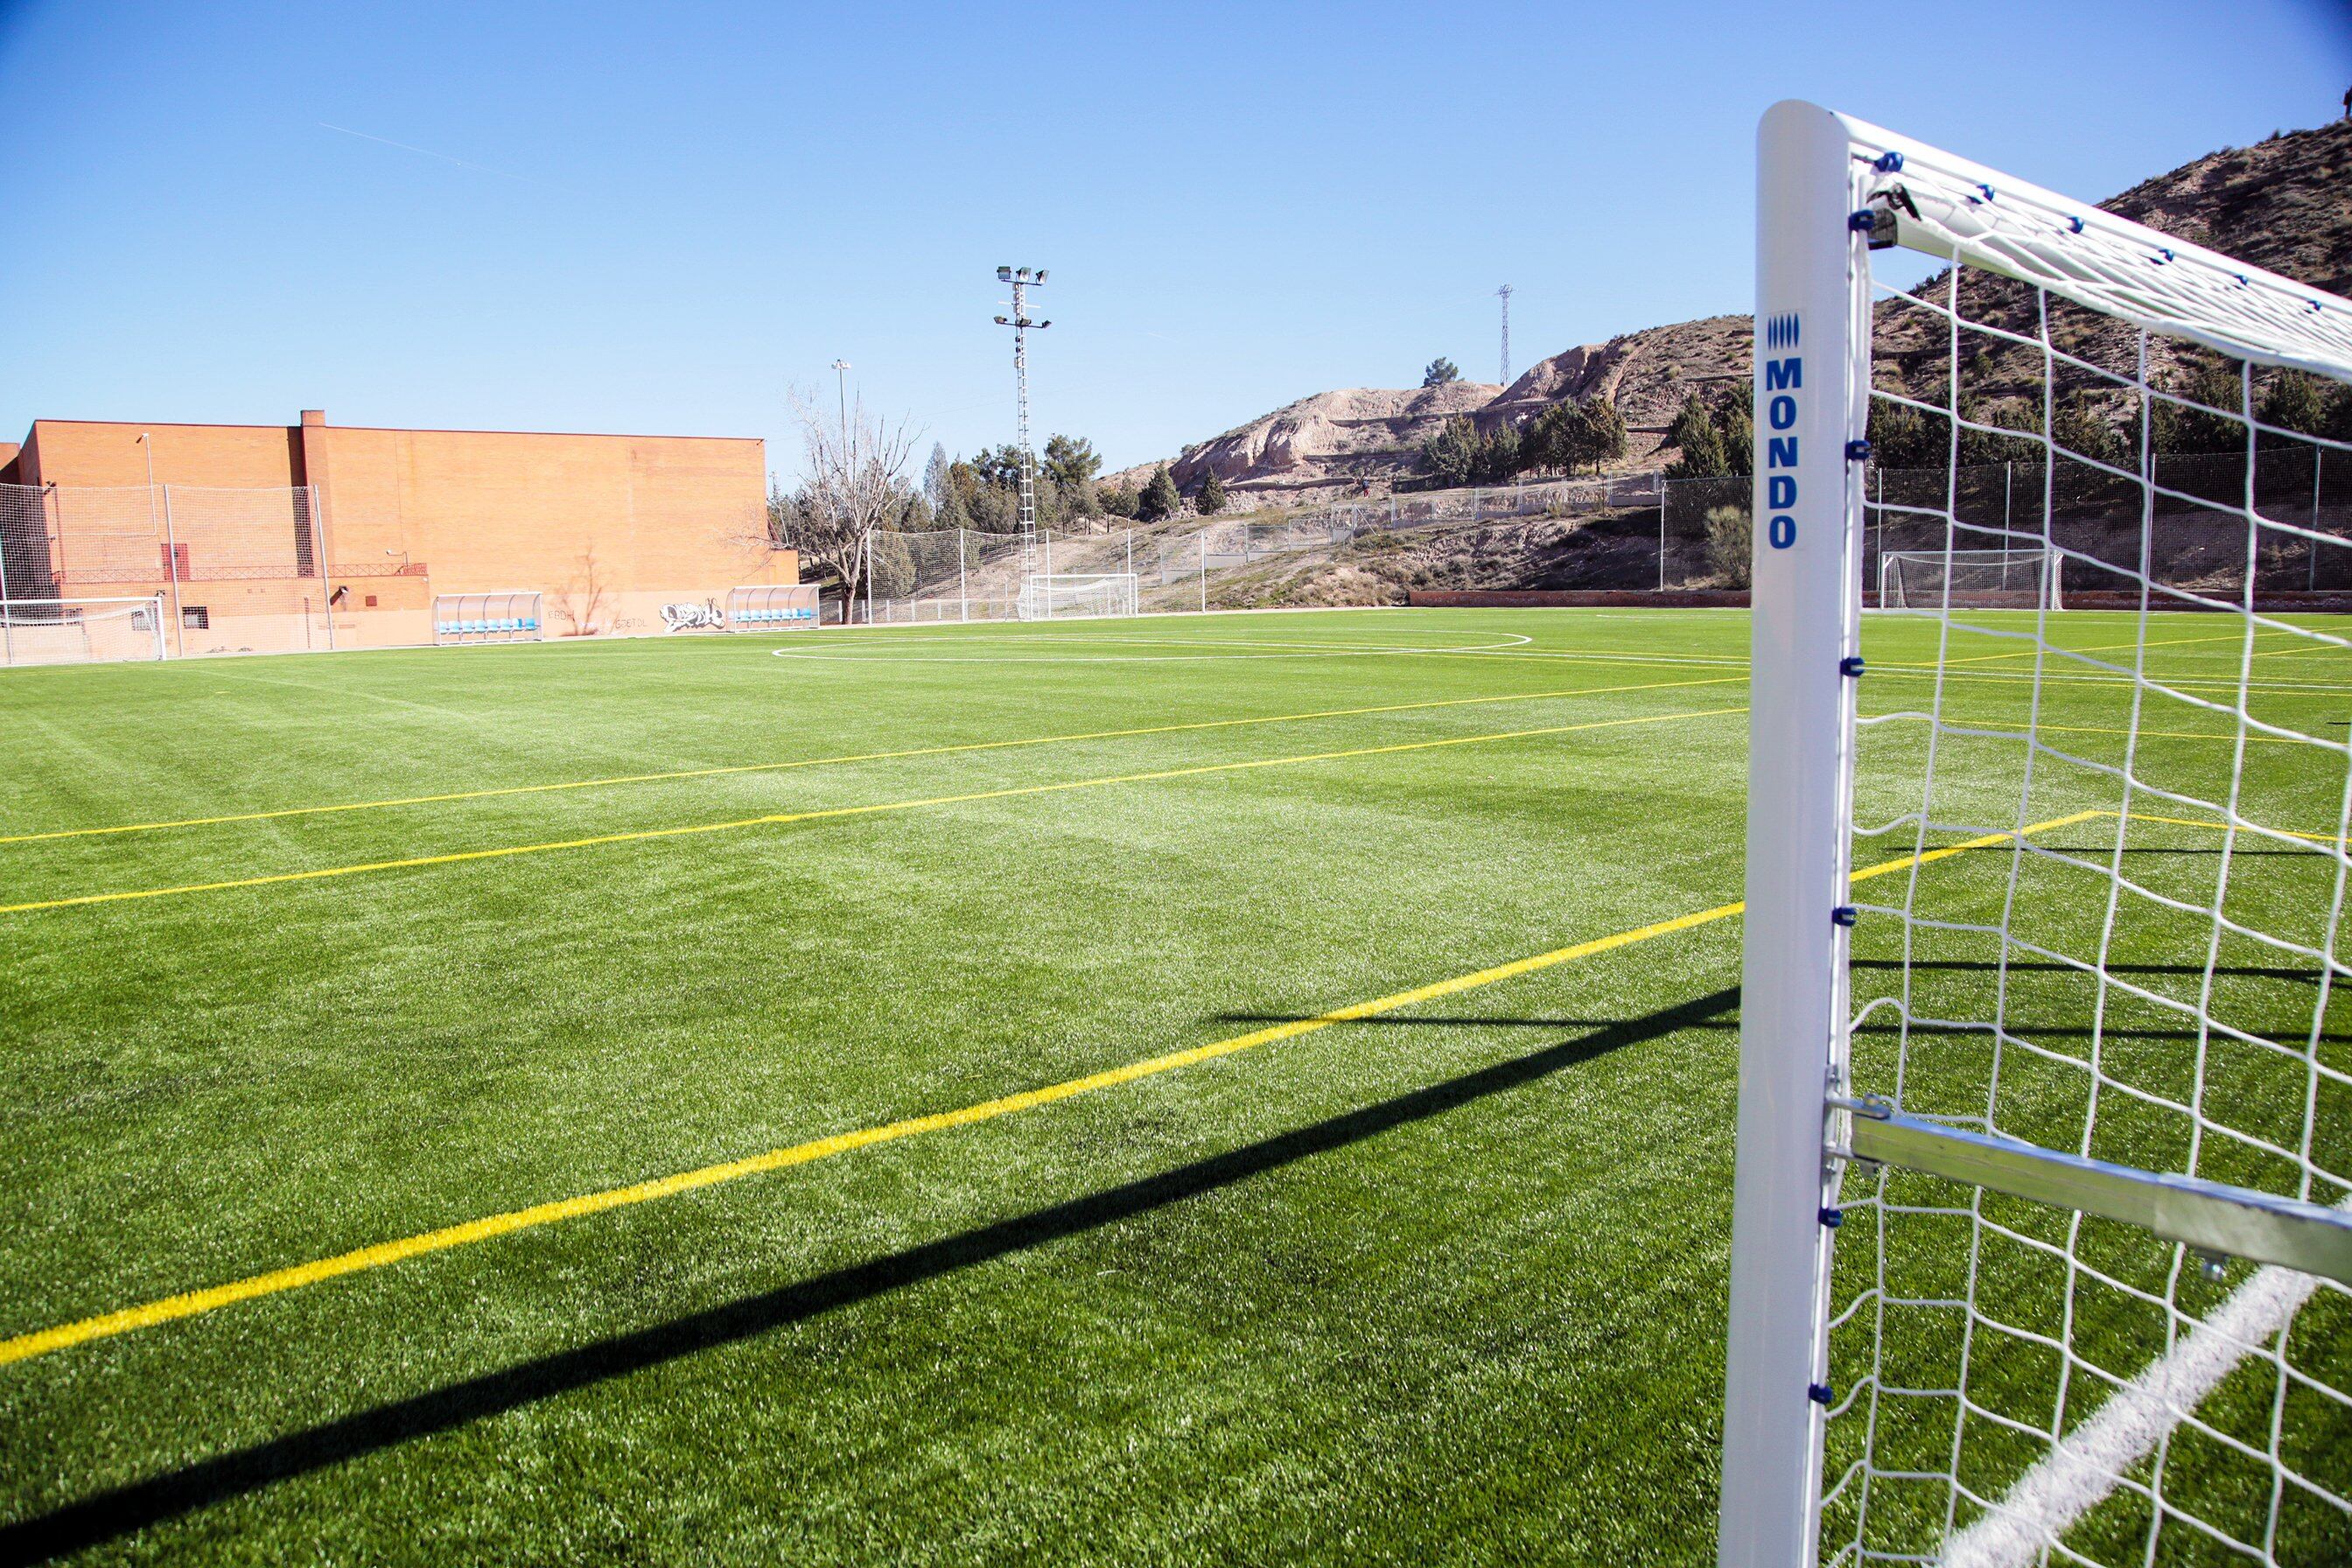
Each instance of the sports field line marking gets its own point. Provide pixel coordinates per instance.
(2084, 1468)
(830, 812)
(194, 1303)
(2200, 822)
(677, 774)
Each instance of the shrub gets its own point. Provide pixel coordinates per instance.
(1730, 543)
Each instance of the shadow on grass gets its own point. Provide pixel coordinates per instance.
(110, 1515)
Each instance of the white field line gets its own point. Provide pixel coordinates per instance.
(2087, 1465)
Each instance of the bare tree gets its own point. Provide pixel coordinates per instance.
(855, 482)
(583, 599)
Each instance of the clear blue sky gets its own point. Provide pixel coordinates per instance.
(659, 218)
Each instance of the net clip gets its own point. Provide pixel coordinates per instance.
(1857, 451)
(1851, 665)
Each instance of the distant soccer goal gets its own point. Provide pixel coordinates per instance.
(509, 615)
(2021, 579)
(772, 608)
(2041, 1236)
(1050, 597)
(81, 631)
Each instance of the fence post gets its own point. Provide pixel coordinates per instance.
(326, 567)
(2311, 547)
(171, 555)
(8, 613)
(1202, 539)
(963, 594)
(1662, 534)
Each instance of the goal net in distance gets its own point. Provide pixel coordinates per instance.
(500, 615)
(1046, 597)
(2040, 1244)
(81, 631)
(771, 606)
(1935, 580)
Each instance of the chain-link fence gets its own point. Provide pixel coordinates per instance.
(2197, 536)
(237, 570)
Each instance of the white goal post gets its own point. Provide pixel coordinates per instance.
(510, 615)
(81, 631)
(2040, 1241)
(772, 608)
(2025, 577)
(1045, 595)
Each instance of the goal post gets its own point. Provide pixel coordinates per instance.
(1046, 595)
(2068, 1147)
(81, 631)
(771, 606)
(2025, 578)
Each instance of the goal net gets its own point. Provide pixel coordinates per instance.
(81, 631)
(2041, 1242)
(1935, 580)
(771, 608)
(1045, 596)
(504, 615)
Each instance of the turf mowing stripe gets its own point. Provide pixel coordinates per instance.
(195, 1303)
(855, 757)
(830, 812)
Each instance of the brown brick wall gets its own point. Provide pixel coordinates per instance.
(648, 518)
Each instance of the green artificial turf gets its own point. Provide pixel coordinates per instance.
(1443, 1286)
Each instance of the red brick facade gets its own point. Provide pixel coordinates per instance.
(608, 528)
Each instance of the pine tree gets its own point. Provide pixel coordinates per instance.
(1159, 499)
(1694, 431)
(1441, 370)
(1738, 423)
(2294, 402)
(1602, 436)
(1212, 498)
(1449, 456)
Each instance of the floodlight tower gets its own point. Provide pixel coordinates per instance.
(1022, 279)
(1505, 293)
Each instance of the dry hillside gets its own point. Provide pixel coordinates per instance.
(2285, 203)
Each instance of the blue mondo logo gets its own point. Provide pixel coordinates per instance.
(1784, 378)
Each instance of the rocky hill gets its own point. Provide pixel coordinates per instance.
(2285, 203)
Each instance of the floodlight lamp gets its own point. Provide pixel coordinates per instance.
(1002, 323)
(1004, 275)
(1041, 275)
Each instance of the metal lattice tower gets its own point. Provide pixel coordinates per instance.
(1022, 279)
(1504, 294)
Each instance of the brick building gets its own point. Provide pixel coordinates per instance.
(269, 537)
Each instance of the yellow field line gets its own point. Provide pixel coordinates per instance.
(192, 1303)
(2197, 822)
(829, 813)
(853, 757)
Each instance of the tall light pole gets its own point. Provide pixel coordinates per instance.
(841, 401)
(1022, 278)
(1504, 294)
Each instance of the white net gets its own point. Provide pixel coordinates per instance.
(1933, 580)
(240, 570)
(509, 615)
(2100, 886)
(81, 631)
(1046, 597)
